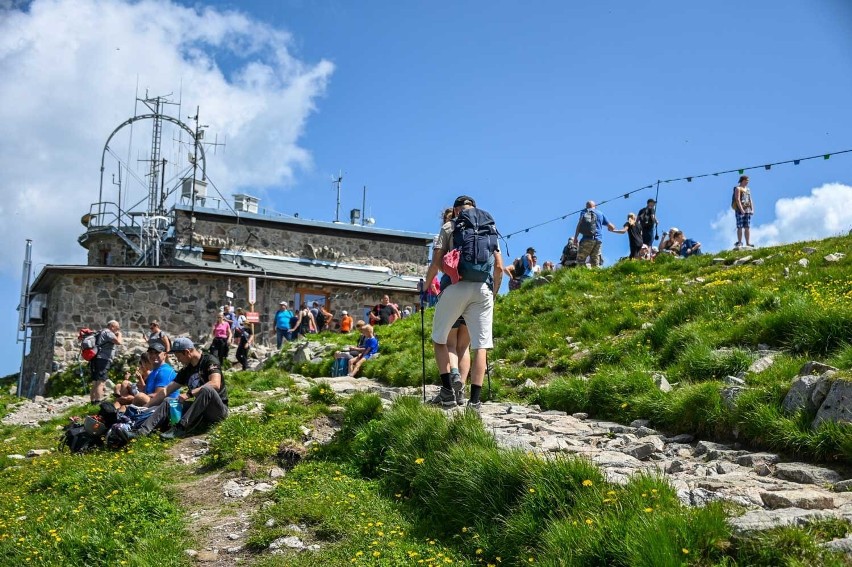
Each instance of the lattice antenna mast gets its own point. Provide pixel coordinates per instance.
(156, 106)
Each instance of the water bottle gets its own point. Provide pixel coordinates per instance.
(175, 410)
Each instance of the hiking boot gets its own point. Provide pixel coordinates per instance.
(456, 380)
(460, 397)
(175, 432)
(474, 407)
(738, 245)
(445, 398)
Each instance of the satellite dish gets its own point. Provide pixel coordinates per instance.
(86, 219)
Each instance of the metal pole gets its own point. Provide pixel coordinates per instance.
(422, 288)
(23, 308)
(194, 170)
(364, 205)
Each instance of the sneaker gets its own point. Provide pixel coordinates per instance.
(738, 245)
(475, 407)
(445, 398)
(173, 433)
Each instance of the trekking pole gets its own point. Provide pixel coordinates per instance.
(656, 210)
(420, 288)
(488, 374)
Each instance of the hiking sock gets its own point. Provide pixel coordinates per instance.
(445, 381)
(455, 371)
(475, 392)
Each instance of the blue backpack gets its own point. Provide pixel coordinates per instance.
(475, 237)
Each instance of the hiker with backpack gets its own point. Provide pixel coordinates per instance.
(569, 254)
(99, 366)
(647, 218)
(590, 226)
(468, 252)
(743, 206)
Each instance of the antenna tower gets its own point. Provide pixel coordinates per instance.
(337, 181)
(155, 105)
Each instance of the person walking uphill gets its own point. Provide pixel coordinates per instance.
(591, 225)
(206, 397)
(472, 239)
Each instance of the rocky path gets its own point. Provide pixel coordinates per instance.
(774, 493)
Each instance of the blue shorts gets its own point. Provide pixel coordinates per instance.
(743, 219)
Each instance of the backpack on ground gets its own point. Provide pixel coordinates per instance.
(475, 237)
(76, 439)
(588, 222)
(89, 343)
(118, 435)
(340, 367)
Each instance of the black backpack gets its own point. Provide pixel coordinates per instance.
(569, 252)
(76, 439)
(588, 220)
(646, 218)
(475, 237)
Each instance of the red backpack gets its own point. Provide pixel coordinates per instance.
(88, 343)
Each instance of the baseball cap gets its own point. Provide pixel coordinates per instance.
(464, 200)
(674, 230)
(181, 344)
(282, 303)
(344, 312)
(652, 201)
(157, 346)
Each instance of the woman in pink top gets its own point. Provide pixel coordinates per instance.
(221, 338)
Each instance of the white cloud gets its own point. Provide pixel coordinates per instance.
(70, 70)
(827, 211)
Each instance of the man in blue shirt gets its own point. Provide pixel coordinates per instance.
(162, 374)
(590, 226)
(282, 323)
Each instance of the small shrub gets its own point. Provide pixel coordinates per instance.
(322, 393)
(565, 394)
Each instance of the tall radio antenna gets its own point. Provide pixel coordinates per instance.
(337, 181)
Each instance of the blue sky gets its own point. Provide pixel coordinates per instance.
(532, 108)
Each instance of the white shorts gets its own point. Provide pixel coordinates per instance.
(473, 300)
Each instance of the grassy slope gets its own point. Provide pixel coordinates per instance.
(697, 338)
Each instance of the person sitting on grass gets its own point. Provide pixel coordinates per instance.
(351, 352)
(206, 398)
(370, 350)
(689, 247)
(153, 376)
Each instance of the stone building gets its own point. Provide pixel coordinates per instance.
(201, 258)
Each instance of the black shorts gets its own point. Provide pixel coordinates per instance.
(459, 322)
(99, 367)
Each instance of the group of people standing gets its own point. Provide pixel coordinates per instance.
(230, 328)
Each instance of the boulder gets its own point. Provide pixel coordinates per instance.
(842, 545)
(808, 250)
(754, 459)
(761, 363)
(805, 498)
(801, 393)
(837, 405)
(804, 473)
(836, 257)
(661, 382)
(302, 354)
(814, 367)
(759, 520)
(743, 260)
(803, 262)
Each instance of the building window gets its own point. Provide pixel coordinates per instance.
(104, 257)
(211, 253)
(308, 296)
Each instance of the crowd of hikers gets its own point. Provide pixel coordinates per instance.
(466, 269)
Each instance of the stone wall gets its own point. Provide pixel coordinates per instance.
(402, 255)
(185, 303)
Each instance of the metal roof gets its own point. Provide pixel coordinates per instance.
(424, 237)
(303, 270)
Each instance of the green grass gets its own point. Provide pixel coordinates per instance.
(694, 320)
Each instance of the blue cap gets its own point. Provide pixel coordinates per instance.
(181, 344)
